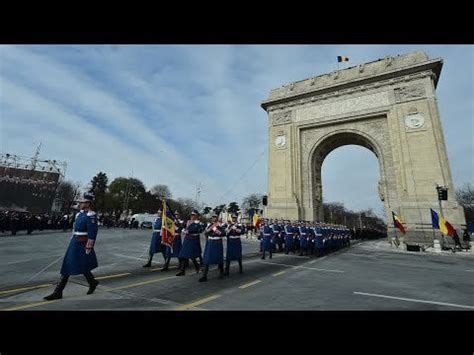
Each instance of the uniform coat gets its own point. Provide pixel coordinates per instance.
(76, 261)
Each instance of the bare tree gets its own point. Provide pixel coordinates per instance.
(465, 197)
(161, 191)
(252, 203)
(68, 192)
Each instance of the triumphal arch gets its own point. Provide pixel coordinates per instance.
(388, 106)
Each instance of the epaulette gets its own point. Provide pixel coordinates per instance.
(90, 213)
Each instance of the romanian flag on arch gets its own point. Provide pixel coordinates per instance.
(397, 223)
(168, 228)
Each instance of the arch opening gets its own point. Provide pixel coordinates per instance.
(328, 145)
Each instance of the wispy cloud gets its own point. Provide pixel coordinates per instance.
(180, 115)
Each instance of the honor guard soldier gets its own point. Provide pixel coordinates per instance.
(191, 245)
(155, 244)
(174, 251)
(214, 249)
(303, 231)
(266, 234)
(234, 245)
(296, 235)
(277, 239)
(288, 232)
(318, 240)
(310, 235)
(80, 256)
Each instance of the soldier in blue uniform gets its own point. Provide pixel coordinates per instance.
(155, 244)
(174, 251)
(214, 249)
(277, 235)
(234, 245)
(80, 256)
(311, 234)
(303, 232)
(288, 235)
(318, 239)
(266, 234)
(191, 245)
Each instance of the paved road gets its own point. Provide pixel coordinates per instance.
(362, 277)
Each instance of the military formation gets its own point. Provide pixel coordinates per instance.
(302, 237)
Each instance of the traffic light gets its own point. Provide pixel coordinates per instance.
(442, 193)
(265, 200)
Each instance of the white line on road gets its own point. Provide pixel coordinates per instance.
(318, 259)
(19, 261)
(414, 300)
(300, 267)
(130, 257)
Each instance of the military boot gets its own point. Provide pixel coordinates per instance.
(227, 266)
(148, 264)
(197, 266)
(204, 276)
(58, 291)
(92, 282)
(240, 266)
(221, 271)
(167, 263)
(181, 267)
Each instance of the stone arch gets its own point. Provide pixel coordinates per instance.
(388, 106)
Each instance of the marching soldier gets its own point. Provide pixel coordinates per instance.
(277, 236)
(288, 231)
(80, 256)
(29, 223)
(191, 246)
(174, 251)
(266, 235)
(214, 249)
(319, 239)
(234, 244)
(155, 244)
(310, 235)
(303, 231)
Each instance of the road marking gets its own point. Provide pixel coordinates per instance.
(24, 289)
(414, 300)
(250, 284)
(31, 305)
(28, 306)
(19, 261)
(139, 284)
(130, 257)
(197, 303)
(468, 270)
(293, 256)
(159, 268)
(301, 267)
(112, 276)
(279, 273)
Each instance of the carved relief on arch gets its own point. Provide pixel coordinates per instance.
(281, 118)
(409, 92)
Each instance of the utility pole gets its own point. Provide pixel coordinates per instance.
(34, 161)
(198, 192)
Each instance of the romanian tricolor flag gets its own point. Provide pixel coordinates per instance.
(168, 227)
(438, 222)
(256, 220)
(341, 58)
(397, 223)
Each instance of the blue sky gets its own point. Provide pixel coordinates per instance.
(182, 115)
